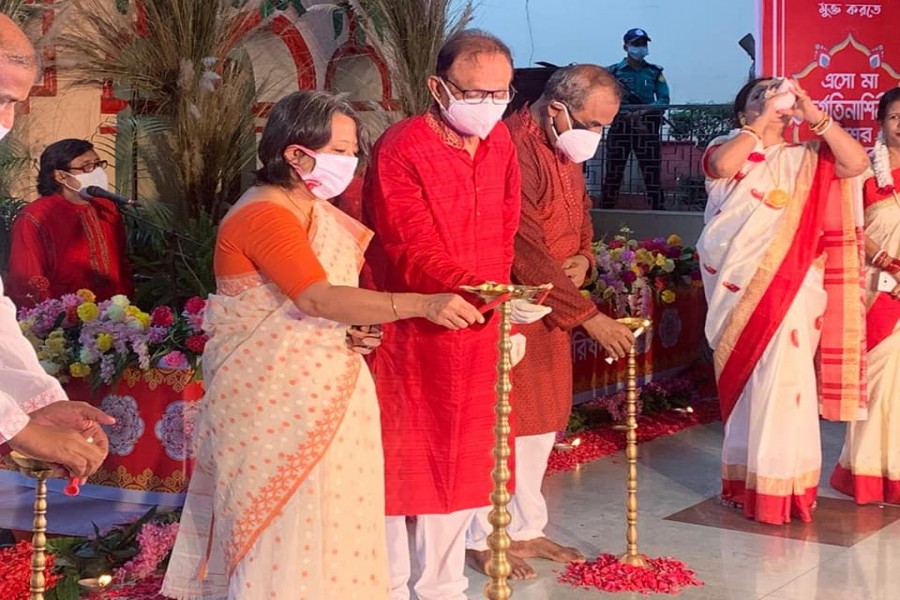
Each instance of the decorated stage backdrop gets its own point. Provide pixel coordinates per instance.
(845, 54)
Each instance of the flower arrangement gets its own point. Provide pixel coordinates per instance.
(134, 554)
(77, 337)
(667, 394)
(631, 272)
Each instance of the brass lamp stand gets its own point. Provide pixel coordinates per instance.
(498, 568)
(40, 472)
(631, 556)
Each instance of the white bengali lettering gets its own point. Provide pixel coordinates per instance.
(828, 9)
(839, 81)
(870, 81)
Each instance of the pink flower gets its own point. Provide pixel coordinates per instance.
(174, 360)
(155, 541)
(195, 305)
(162, 316)
(196, 343)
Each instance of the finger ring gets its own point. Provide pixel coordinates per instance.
(90, 440)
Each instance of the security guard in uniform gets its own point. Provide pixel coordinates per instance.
(636, 129)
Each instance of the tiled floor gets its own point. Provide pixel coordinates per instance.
(851, 554)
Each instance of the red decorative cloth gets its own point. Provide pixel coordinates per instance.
(59, 247)
(442, 219)
(555, 225)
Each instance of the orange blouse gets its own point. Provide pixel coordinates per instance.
(268, 239)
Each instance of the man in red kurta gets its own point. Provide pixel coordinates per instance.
(443, 197)
(553, 137)
(65, 240)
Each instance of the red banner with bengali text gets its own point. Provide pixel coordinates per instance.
(845, 54)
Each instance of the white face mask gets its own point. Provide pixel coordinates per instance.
(578, 145)
(4, 131)
(331, 174)
(472, 119)
(97, 178)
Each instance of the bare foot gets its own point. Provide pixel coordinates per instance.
(730, 503)
(478, 560)
(546, 548)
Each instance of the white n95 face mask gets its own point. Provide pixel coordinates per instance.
(472, 119)
(96, 178)
(578, 145)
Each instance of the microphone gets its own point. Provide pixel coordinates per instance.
(99, 192)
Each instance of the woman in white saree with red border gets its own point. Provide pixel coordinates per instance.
(780, 256)
(869, 466)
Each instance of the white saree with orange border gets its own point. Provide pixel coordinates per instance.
(287, 497)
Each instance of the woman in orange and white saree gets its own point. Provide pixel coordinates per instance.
(869, 466)
(780, 255)
(286, 499)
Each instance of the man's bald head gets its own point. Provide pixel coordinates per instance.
(18, 69)
(15, 47)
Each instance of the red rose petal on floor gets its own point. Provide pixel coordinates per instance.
(820, 320)
(709, 269)
(795, 338)
(798, 399)
(731, 287)
(604, 440)
(757, 194)
(661, 576)
(739, 175)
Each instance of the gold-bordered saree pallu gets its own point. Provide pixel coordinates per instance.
(781, 315)
(287, 498)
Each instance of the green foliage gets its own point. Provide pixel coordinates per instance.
(408, 34)
(78, 558)
(174, 258)
(186, 72)
(19, 10)
(14, 165)
(700, 124)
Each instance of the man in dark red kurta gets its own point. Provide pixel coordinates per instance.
(553, 244)
(65, 240)
(443, 197)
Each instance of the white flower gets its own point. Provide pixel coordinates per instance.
(87, 357)
(121, 300)
(50, 367)
(881, 163)
(115, 313)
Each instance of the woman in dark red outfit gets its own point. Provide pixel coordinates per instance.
(66, 240)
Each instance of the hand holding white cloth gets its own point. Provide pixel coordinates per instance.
(517, 352)
(524, 312)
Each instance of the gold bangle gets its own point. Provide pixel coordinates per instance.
(821, 123)
(394, 306)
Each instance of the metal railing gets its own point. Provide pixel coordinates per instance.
(654, 160)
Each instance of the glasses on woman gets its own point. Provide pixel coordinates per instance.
(88, 167)
(480, 96)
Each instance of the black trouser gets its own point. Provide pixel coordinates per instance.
(640, 135)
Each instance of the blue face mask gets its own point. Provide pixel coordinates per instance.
(638, 52)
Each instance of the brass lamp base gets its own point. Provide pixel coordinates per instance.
(39, 471)
(498, 568)
(631, 556)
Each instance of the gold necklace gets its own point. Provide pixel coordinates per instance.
(776, 197)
